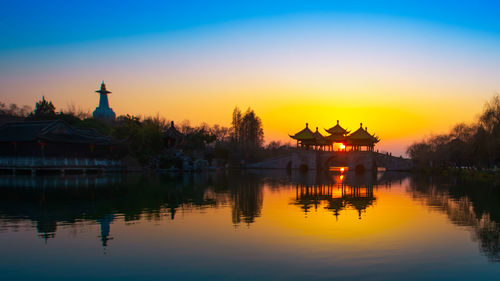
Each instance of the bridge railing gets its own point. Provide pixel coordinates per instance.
(40, 162)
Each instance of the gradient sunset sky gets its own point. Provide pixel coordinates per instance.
(405, 69)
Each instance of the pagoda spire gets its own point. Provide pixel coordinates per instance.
(103, 100)
(103, 111)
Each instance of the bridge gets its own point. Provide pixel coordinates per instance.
(322, 160)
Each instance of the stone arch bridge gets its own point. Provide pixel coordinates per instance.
(323, 160)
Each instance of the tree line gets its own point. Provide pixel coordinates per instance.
(475, 145)
(243, 142)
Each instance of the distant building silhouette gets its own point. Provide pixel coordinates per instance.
(172, 137)
(103, 111)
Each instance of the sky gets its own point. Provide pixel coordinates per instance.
(405, 69)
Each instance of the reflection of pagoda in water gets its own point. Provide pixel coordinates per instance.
(337, 196)
(105, 228)
(46, 229)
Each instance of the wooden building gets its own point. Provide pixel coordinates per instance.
(320, 141)
(337, 135)
(347, 141)
(172, 138)
(54, 138)
(305, 138)
(361, 138)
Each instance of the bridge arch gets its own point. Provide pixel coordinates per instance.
(303, 167)
(335, 161)
(359, 168)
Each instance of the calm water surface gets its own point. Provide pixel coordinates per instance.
(248, 226)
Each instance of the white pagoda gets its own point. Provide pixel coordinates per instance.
(103, 111)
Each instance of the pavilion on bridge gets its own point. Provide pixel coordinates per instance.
(347, 141)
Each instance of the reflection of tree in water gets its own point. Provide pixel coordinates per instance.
(471, 204)
(246, 198)
(48, 203)
(247, 203)
(55, 200)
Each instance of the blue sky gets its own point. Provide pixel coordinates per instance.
(406, 69)
(26, 24)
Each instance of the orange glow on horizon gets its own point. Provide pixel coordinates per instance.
(269, 67)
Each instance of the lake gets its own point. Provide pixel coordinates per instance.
(249, 225)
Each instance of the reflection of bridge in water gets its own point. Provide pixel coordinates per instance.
(342, 192)
(337, 197)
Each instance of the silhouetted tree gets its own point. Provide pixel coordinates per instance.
(14, 110)
(247, 130)
(220, 133)
(236, 122)
(144, 138)
(476, 145)
(43, 110)
(252, 134)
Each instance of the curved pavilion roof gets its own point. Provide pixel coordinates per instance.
(305, 134)
(320, 139)
(336, 138)
(337, 130)
(362, 137)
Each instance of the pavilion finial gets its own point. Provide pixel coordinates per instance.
(171, 123)
(316, 129)
(307, 125)
(361, 125)
(366, 129)
(337, 122)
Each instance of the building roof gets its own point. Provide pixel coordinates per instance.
(317, 134)
(53, 130)
(362, 137)
(336, 138)
(305, 134)
(172, 132)
(337, 130)
(319, 138)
